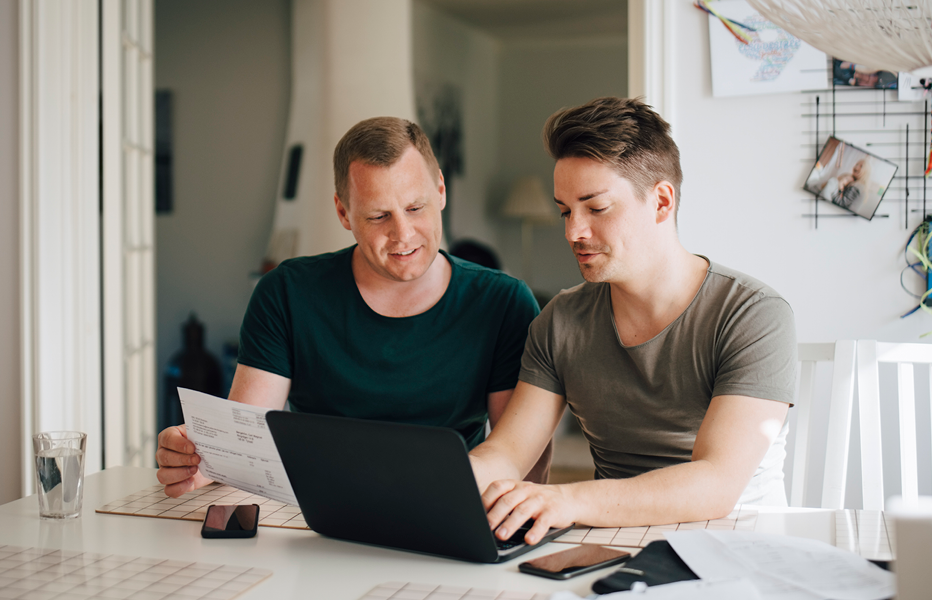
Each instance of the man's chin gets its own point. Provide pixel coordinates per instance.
(590, 273)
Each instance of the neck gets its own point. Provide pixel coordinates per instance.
(645, 305)
(391, 298)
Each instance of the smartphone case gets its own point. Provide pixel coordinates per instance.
(659, 563)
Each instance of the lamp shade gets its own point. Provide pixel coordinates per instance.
(891, 35)
(528, 200)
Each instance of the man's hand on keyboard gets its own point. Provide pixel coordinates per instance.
(510, 504)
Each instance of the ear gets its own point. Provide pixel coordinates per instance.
(342, 213)
(665, 201)
(443, 190)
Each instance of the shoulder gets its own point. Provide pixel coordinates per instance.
(311, 268)
(730, 296)
(470, 276)
(728, 284)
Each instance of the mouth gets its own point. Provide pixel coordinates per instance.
(584, 257)
(404, 254)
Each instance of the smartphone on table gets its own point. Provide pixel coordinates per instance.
(231, 521)
(573, 562)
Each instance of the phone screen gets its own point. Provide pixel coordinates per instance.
(231, 520)
(587, 557)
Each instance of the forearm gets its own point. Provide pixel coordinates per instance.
(693, 491)
(523, 421)
(540, 472)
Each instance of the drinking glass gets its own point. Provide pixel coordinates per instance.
(59, 473)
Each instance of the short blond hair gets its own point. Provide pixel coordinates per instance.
(379, 141)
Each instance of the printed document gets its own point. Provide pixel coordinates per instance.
(235, 445)
(739, 589)
(782, 567)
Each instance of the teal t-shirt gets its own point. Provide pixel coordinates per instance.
(307, 321)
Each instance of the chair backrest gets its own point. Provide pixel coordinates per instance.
(842, 354)
(870, 354)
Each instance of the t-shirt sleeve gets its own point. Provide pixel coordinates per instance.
(265, 336)
(537, 364)
(758, 353)
(520, 311)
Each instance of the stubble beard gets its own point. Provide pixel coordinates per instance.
(590, 272)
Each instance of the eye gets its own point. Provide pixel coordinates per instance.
(415, 208)
(378, 218)
(596, 210)
(564, 215)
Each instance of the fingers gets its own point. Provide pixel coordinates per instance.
(529, 507)
(173, 475)
(495, 490)
(539, 530)
(179, 489)
(177, 462)
(514, 503)
(176, 439)
(180, 481)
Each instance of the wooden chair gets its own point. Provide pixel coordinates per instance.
(842, 354)
(870, 354)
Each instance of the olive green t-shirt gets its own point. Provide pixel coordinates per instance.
(641, 406)
(307, 321)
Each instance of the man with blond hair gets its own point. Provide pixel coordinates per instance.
(392, 328)
(680, 371)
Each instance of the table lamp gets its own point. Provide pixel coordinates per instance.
(528, 201)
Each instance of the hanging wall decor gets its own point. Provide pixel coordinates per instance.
(750, 55)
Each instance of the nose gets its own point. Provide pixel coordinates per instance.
(577, 228)
(402, 229)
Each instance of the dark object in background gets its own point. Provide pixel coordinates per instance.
(194, 368)
(476, 252)
(164, 195)
(294, 171)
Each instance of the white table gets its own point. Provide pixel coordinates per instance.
(305, 565)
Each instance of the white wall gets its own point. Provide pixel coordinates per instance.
(447, 51)
(742, 207)
(352, 61)
(9, 253)
(228, 64)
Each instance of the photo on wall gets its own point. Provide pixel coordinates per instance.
(850, 74)
(851, 178)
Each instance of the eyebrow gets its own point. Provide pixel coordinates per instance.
(584, 198)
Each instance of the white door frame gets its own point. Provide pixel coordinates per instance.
(87, 250)
(128, 232)
(651, 47)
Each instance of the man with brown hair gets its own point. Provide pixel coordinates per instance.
(392, 328)
(680, 371)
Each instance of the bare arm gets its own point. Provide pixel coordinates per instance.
(519, 437)
(540, 472)
(175, 455)
(732, 440)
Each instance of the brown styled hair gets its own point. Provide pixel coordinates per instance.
(379, 141)
(622, 133)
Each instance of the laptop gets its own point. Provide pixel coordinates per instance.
(408, 487)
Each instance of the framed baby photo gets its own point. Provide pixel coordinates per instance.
(850, 177)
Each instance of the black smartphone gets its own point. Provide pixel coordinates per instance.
(231, 521)
(573, 562)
